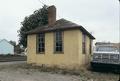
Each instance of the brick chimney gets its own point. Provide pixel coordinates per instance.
(51, 15)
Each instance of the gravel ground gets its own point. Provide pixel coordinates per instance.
(22, 72)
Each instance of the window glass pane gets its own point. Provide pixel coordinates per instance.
(56, 48)
(43, 45)
(41, 39)
(60, 49)
(83, 43)
(57, 44)
(41, 42)
(58, 41)
(42, 49)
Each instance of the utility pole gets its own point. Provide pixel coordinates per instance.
(119, 49)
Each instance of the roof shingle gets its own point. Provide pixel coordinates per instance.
(61, 24)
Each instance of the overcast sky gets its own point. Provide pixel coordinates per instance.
(101, 17)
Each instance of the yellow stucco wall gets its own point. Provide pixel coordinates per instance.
(72, 56)
(84, 58)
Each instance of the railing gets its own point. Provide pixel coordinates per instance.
(106, 58)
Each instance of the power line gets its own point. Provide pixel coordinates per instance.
(41, 2)
(47, 5)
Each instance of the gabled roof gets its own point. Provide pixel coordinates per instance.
(61, 24)
(1, 40)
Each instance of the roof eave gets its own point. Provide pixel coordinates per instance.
(52, 30)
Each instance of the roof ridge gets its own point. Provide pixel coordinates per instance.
(67, 21)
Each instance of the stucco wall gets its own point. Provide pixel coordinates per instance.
(84, 59)
(31, 49)
(72, 56)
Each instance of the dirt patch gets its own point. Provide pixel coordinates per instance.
(24, 72)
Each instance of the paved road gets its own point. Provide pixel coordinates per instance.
(13, 62)
(12, 58)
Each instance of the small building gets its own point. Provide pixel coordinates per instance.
(60, 43)
(6, 47)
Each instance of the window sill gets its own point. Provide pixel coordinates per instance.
(58, 52)
(40, 53)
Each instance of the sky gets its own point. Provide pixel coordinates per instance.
(101, 17)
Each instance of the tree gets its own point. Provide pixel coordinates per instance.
(18, 49)
(37, 19)
(12, 42)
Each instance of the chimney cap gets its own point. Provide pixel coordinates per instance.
(52, 6)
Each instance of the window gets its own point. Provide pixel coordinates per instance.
(41, 43)
(58, 41)
(83, 43)
(90, 47)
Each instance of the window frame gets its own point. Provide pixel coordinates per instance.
(83, 43)
(62, 44)
(38, 42)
